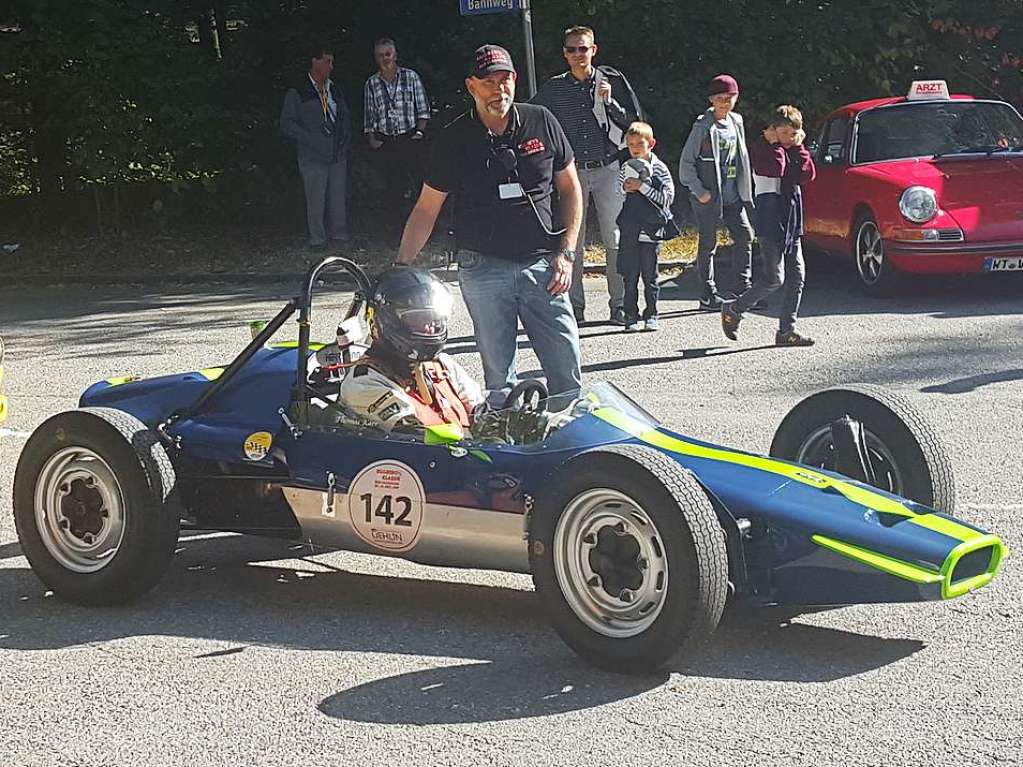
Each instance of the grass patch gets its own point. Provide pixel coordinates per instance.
(130, 257)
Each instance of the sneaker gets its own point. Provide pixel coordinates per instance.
(617, 316)
(730, 321)
(650, 324)
(710, 303)
(792, 338)
(631, 327)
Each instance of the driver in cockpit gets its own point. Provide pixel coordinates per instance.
(404, 381)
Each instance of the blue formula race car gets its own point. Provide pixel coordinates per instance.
(635, 536)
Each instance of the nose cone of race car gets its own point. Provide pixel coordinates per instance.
(853, 544)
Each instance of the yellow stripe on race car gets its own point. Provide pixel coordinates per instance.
(897, 567)
(314, 346)
(855, 493)
(211, 374)
(946, 526)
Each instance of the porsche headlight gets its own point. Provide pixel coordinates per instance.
(918, 204)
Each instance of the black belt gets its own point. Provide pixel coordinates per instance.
(594, 164)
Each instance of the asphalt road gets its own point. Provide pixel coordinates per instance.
(250, 652)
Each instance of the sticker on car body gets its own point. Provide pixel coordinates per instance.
(385, 505)
(257, 445)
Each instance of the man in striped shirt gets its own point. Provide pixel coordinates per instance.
(595, 106)
(394, 120)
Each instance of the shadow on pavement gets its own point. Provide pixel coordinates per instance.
(238, 591)
(972, 383)
(832, 289)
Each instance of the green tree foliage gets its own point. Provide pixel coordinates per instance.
(174, 96)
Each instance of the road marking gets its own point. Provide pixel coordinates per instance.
(995, 506)
(15, 434)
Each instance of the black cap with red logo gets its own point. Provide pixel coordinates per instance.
(489, 59)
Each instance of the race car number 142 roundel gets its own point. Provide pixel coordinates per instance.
(385, 504)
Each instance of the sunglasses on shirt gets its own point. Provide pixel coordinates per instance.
(577, 48)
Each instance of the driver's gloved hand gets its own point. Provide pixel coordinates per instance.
(481, 410)
(526, 426)
(489, 425)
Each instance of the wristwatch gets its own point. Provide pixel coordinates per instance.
(569, 255)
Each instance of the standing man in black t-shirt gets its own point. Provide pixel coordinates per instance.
(501, 162)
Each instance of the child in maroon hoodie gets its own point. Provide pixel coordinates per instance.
(781, 165)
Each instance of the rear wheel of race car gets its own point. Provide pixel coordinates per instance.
(905, 453)
(95, 506)
(877, 276)
(628, 558)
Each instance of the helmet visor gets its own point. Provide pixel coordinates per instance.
(424, 322)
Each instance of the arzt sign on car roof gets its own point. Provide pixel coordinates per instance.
(928, 90)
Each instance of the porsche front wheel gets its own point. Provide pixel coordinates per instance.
(877, 275)
(628, 558)
(94, 506)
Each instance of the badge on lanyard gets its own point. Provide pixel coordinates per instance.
(513, 191)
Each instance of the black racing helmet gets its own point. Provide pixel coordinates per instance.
(408, 313)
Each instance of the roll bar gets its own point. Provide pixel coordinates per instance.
(303, 304)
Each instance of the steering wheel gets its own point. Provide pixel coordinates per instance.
(533, 394)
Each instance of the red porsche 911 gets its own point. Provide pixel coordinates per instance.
(929, 183)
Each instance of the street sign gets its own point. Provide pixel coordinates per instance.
(477, 7)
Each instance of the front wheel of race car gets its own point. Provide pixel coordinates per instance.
(95, 506)
(628, 558)
(904, 453)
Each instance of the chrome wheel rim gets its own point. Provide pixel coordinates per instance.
(79, 509)
(869, 252)
(818, 451)
(610, 563)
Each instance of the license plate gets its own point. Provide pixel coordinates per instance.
(1009, 264)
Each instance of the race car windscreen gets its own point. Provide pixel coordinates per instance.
(937, 129)
(518, 428)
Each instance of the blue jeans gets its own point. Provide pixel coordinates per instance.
(635, 260)
(736, 220)
(499, 292)
(781, 269)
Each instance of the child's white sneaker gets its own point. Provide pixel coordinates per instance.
(631, 327)
(650, 324)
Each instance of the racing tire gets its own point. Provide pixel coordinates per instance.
(908, 457)
(877, 276)
(96, 506)
(628, 558)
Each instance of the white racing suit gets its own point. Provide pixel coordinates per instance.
(441, 391)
